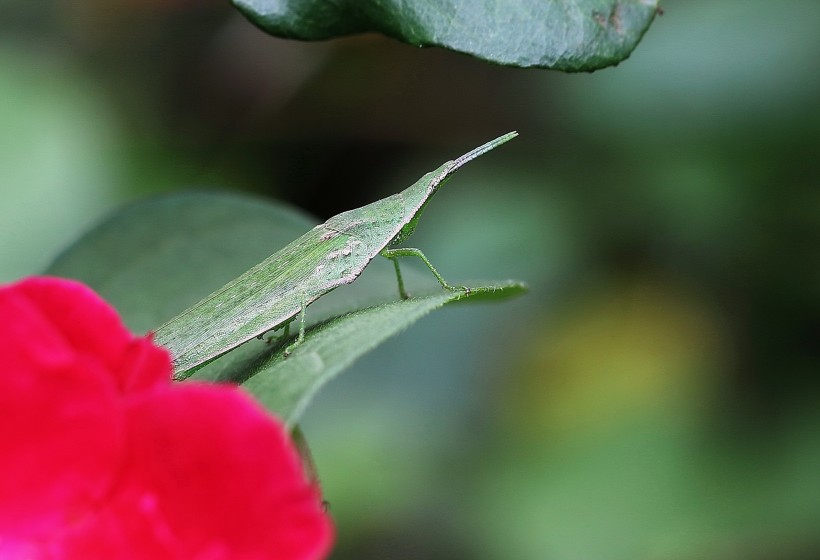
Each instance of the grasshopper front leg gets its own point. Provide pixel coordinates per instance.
(394, 254)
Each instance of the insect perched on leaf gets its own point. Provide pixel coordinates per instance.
(330, 255)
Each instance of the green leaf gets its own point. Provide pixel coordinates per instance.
(569, 35)
(286, 385)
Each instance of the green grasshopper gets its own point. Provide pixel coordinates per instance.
(328, 256)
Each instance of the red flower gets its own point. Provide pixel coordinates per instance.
(102, 457)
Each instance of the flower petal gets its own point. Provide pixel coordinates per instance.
(211, 476)
(61, 426)
(101, 456)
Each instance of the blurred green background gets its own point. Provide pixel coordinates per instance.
(655, 395)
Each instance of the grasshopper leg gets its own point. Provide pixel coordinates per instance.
(393, 255)
(402, 292)
(301, 336)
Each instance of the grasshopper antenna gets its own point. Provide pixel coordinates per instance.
(481, 150)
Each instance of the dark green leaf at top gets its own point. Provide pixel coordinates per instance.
(569, 35)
